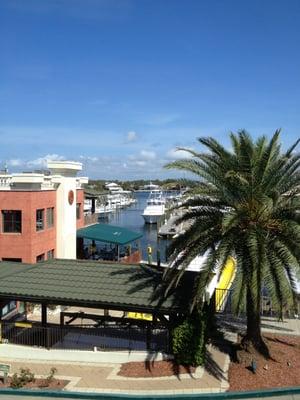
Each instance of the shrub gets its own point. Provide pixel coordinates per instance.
(189, 339)
(16, 382)
(25, 376)
(50, 377)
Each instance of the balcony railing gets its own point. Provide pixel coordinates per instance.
(90, 219)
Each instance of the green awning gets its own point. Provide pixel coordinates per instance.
(108, 234)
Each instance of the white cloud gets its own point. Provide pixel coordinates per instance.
(15, 162)
(147, 154)
(143, 157)
(139, 163)
(175, 154)
(131, 137)
(41, 162)
(89, 158)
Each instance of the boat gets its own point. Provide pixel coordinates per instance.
(155, 208)
(103, 210)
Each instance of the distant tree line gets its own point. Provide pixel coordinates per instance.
(99, 184)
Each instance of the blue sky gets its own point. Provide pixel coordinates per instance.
(119, 84)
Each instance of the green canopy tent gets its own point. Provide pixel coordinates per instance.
(111, 234)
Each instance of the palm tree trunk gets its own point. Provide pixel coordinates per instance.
(253, 319)
(253, 338)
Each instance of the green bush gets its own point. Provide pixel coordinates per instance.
(189, 339)
(16, 382)
(50, 377)
(21, 380)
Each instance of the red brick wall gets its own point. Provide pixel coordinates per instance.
(30, 243)
(80, 199)
(134, 258)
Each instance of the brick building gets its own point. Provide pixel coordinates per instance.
(40, 213)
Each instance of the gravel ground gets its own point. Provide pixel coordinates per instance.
(280, 371)
(153, 369)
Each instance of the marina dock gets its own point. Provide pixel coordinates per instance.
(169, 228)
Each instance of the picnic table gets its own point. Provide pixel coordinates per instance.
(4, 369)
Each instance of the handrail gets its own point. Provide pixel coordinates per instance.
(268, 394)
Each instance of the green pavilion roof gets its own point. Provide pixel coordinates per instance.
(108, 234)
(91, 284)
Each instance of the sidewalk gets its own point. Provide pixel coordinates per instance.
(271, 325)
(103, 378)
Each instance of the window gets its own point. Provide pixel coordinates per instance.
(40, 258)
(12, 305)
(12, 259)
(12, 221)
(50, 217)
(39, 220)
(78, 206)
(50, 254)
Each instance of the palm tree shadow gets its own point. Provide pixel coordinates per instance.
(277, 340)
(150, 280)
(183, 369)
(238, 324)
(175, 368)
(149, 365)
(213, 368)
(225, 346)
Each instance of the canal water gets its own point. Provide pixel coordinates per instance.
(131, 218)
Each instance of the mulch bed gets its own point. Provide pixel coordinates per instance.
(55, 384)
(151, 369)
(282, 370)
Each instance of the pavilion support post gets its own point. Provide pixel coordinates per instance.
(212, 304)
(44, 324)
(44, 314)
(118, 252)
(140, 249)
(1, 325)
(80, 248)
(62, 318)
(148, 337)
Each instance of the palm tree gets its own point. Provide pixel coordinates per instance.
(245, 205)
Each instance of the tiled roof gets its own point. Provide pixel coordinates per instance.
(89, 283)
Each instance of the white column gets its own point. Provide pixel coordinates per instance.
(66, 219)
(65, 178)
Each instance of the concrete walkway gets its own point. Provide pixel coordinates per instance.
(12, 397)
(104, 378)
(269, 324)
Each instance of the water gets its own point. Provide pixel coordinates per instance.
(131, 218)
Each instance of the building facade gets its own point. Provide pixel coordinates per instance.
(40, 213)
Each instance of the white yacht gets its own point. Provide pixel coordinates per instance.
(103, 208)
(155, 208)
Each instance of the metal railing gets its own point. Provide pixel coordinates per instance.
(223, 304)
(86, 337)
